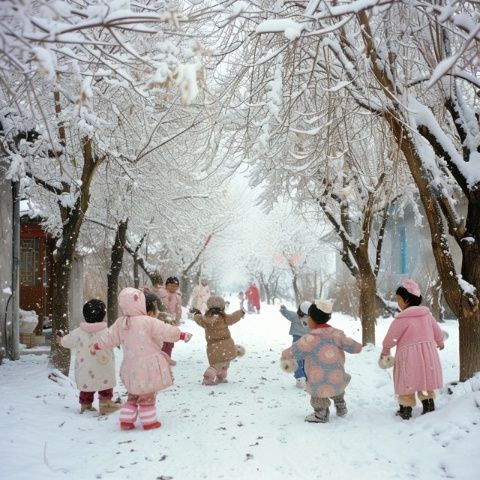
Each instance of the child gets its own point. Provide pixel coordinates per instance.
(200, 295)
(173, 304)
(220, 347)
(145, 368)
(253, 298)
(417, 336)
(92, 374)
(241, 299)
(157, 289)
(298, 328)
(157, 283)
(323, 351)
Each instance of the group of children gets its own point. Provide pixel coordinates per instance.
(147, 345)
(316, 356)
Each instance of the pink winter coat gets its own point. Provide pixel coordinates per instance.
(145, 368)
(173, 304)
(416, 335)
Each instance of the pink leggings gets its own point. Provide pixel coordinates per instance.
(142, 406)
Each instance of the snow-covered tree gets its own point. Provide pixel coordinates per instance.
(74, 77)
(414, 66)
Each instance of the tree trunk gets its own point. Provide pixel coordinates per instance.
(469, 328)
(463, 303)
(367, 310)
(60, 357)
(186, 287)
(296, 291)
(436, 302)
(115, 268)
(72, 218)
(136, 272)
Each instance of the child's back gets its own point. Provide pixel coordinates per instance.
(92, 373)
(323, 350)
(221, 348)
(416, 335)
(145, 368)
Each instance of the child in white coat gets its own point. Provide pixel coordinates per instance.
(92, 373)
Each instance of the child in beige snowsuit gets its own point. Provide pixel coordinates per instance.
(221, 349)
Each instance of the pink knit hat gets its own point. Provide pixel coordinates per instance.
(411, 286)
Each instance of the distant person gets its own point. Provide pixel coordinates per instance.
(416, 334)
(92, 374)
(323, 351)
(156, 288)
(253, 297)
(242, 300)
(200, 295)
(221, 349)
(298, 328)
(145, 368)
(171, 298)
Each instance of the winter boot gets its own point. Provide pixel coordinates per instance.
(222, 375)
(148, 417)
(301, 383)
(210, 376)
(318, 416)
(404, 412)
(428, 405)
(340, 405)
(107, 406)
(87, 407)
(127, 425)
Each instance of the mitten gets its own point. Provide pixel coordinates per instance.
(185, 336)
(386, 362)
(94, 348)
(240, 350)
(288, 364)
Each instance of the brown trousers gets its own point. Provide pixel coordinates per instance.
(324, 402)
(409, 400)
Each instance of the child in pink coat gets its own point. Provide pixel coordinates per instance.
(417, 336)
(172, 300)
(145, 368)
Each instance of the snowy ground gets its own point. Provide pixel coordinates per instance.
(250, 428)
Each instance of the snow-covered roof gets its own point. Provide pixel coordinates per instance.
(29, 209)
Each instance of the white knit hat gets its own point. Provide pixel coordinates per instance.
(324, 305)
(304, 306)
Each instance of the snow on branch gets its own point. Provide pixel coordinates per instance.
(100, 36)
(460, 18)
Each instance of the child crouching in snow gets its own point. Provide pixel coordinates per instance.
(145, 368)
(220, 347)
(92, 374)
(417, 336)
(323, 351)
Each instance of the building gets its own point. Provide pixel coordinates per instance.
(26, 269)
